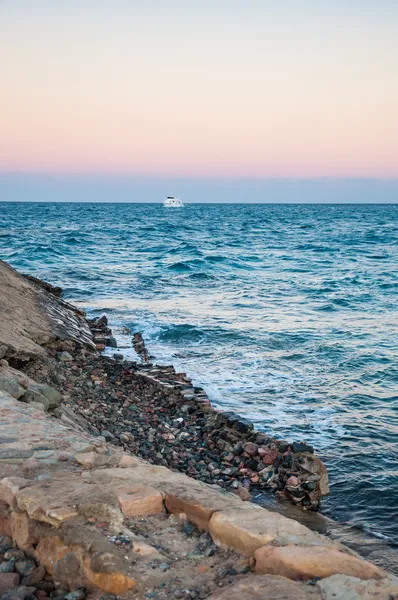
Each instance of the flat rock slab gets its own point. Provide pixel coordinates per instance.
(246, 530)
(267, 588)
(306, 563)
(139, 500)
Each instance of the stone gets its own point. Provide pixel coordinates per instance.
(35, 576)
(65, 357)
(268, 457)
(139, 500)
(110, 341)
(248, 529)
(103, 572)
(25, 567)
(19, 593)
(15, 453)
(8, 581)
(306, 563)
(251, 448)
(7, 566)
(293, 481)
(5, 544)
(301, 447)
(314, 466)
(344, 587)
(128, 461)
(77, 595)
(86, 459)
(198, 502)
(24, 531)
(266, 588)
(11, 386)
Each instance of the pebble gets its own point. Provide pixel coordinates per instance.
(5, 544)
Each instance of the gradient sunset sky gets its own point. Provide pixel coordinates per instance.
(216, 89)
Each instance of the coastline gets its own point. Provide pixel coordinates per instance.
(63, 385)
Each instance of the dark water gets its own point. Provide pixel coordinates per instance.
(286, 314)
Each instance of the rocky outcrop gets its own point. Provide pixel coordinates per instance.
(32, 318)
(88, 516)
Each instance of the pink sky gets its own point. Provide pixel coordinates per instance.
(204, 91)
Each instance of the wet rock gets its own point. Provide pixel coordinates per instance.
(301, 447)
(110, 341)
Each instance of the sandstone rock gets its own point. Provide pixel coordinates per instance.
(86, 459)
(103, 572)
(198, 502)
(128, 461)
(297, 562)
(344, 587)
(267, 588)
(249, 529)
(25, 532)
(139, 500)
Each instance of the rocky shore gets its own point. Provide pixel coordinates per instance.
(157, 414)
(118, 478)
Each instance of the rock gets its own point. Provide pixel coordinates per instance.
(139, 500)
(128, 461)
(102, 572)
(19, 593)
(344, 587)
(110, 341)
(266, 588)
(268, 457)
(293, 481)
(34, 577)
(197, 502)
(248, 529)
(25, 567)
(46, 395)
(8, 581)
(251, 448)
(86, 459)
(107, 435)
(297, 562)
(77, 595)
(65, 357)
(5, 544)
(301, 447)
(244, 494)
(7, 566)
(11, 386)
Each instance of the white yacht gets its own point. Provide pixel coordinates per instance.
(173, 202)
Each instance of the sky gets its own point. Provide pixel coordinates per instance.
(219, 93)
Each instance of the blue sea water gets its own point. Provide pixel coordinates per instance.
(287, 314)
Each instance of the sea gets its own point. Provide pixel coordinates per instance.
(285, 314)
